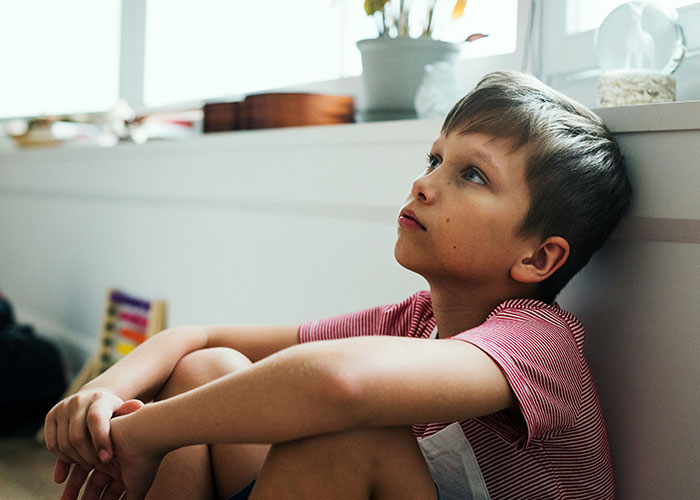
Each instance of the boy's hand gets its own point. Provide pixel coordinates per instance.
(106, 481)
(77, 428)
(136, 463)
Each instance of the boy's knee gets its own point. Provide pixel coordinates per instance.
(369, 446)
(210, 364)
(383, 462)
(202, 366)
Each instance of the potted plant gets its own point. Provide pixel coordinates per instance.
(393, 63)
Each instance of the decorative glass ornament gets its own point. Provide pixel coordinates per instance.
(638, 45)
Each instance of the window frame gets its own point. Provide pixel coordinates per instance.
(132, 56)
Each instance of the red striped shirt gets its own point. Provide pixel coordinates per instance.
(558, 449)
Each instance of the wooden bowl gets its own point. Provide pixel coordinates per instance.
(272, 110)
(222, 116)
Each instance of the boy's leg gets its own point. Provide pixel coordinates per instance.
(376, 463)
(205, 472)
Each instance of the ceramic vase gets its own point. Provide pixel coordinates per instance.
(392, 69)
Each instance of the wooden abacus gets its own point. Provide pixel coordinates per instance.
(128, 321)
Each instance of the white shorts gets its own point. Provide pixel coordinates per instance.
(453, 465)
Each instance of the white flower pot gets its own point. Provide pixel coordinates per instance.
(392, 69)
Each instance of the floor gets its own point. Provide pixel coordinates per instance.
(26, 470)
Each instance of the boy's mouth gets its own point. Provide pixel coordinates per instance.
(407, 217)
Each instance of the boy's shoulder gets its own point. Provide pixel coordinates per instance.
(524, 309)
(532, 316)
(530, 328)
(523, 312)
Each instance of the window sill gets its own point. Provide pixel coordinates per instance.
(625, 119)
(660, 117)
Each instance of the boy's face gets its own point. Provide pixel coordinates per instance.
(462, 217)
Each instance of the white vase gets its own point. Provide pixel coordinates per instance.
(392, 69)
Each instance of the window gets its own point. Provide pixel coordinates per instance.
(58, 57)
(216, 48)
(497, 18)
(81, 55)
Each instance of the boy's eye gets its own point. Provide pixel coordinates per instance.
(433, 162)
(472, 174)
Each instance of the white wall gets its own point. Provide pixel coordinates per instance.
(263, 227)
(288, 225)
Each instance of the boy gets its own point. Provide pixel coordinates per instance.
(521, 188)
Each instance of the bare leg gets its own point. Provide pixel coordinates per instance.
(376, 463)
(206, 472)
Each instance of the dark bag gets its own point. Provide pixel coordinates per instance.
(32, 377)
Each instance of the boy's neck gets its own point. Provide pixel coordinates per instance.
(458, 310)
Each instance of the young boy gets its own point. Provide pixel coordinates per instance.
(522, 186)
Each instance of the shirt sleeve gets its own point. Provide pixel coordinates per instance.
(541, 360)
(406, 318)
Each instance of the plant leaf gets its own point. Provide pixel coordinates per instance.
(372, 6)
(458, 11)
(475, 36)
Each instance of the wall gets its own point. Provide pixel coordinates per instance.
(263, 227)
(639, 300)
(288, 225)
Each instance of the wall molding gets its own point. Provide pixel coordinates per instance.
(659, 229)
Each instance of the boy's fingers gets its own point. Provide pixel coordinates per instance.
(128, 407)
(52, 443)
(75, 482)
(50, 432)
(113, 492)
(96, 483)
(135, 496)
(66, 452)
(51, 436)
(98, 415)
(81, 440)
(60, 471)
(63, 458)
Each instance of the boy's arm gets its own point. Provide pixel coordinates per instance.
(143, 372)
(325, 387)
(306, 390)
(77, 428)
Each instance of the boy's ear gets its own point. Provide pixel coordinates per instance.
(547, 258)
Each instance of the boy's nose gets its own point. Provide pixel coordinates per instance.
(422, 190)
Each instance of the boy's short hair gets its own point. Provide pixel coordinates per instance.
(575, 171)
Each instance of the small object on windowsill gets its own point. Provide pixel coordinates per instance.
(274, 110)
(221, 116)
(410, 36)
(638, 45)
(103, 130)
(33, 133)
(623, 89)
(50, 132)
(437, 92)
(165, 126)
(278, 109)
